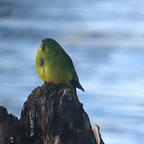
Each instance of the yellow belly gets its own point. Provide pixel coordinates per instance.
(54, 75)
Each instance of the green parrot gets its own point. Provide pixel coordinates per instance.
(55, 66)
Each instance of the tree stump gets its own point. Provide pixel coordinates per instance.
(10, 129)
(52, 114)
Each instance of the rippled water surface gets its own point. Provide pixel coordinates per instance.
(105, 39)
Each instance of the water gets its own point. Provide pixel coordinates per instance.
(104, 39)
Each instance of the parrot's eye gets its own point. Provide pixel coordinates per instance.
(50, 43)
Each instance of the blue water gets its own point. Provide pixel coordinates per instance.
(105, 39)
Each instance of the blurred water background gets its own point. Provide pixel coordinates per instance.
(105, 39)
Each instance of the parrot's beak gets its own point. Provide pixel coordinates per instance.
(43, 46)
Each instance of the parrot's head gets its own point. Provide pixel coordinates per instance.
(49, 44)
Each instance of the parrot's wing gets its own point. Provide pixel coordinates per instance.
(67, 57)
(69, 63)
(75, 80)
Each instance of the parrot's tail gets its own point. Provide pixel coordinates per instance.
(76, 84)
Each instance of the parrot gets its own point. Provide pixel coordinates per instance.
(54, 65)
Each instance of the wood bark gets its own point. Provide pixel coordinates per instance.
(52, 114)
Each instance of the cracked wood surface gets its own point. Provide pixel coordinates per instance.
(52, 114)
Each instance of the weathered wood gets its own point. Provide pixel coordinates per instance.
(10, 130)
(52, 114)
(97, 134)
